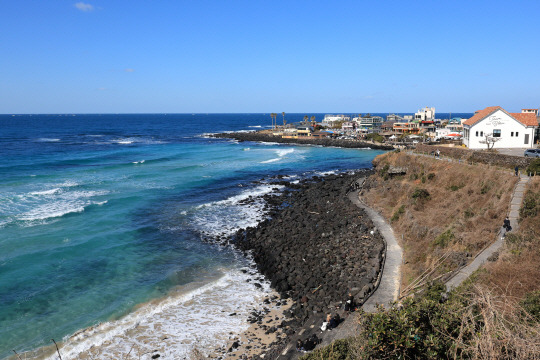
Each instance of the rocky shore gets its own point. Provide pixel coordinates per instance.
(315, 248)
(257, 136)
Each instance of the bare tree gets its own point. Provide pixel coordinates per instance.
(490, 140)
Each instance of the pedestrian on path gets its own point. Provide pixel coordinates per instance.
(516, 169)
(506, 224)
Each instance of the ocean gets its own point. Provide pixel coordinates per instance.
(102, 227)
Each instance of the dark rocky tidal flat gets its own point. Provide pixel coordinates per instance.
(314, 247)
(256, 136)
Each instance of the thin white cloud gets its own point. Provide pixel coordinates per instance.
(84, 7)
(129, 70)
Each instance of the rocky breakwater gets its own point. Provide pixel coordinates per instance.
(262, 137)
(317, 247)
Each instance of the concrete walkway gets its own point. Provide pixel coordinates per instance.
(481, 258)
(388, 290)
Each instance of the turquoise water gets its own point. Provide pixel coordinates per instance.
(101, 220)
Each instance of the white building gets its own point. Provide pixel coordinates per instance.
(510, 130)
(425, 114)
(368, 123)
(330, 120)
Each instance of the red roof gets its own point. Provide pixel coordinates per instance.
(527, 119)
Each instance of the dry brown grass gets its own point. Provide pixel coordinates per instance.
(505, 333)
(517, 270)
(468, 202)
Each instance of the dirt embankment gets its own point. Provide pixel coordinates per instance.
(445, 213)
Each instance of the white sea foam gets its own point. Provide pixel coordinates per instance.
(255, 126)
(51, 210)
(46, 192)
(35, 206)
(47, 140)
(280, 153)
(135, 140)
(193, 316)
(268, 143)
(138, 162)
(270, 161)
(325, 173)
(225, 217)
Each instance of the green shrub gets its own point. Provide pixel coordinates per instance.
(530, 205)
(421, 329)
(456, 187)
(338, 350)
(531, 304)
(431, 176)
(420, 193)
(400, 211)
(534, 167)
(375, 137)
(444, 239)
(384, 170)
(469, 213)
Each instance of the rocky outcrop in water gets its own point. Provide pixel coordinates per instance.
(256, 136)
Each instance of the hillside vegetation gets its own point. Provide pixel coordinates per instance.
(495, 314)
(443, 212)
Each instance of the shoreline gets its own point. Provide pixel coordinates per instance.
(314, 251)
(326, 142)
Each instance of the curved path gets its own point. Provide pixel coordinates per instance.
(386, 293)
(388, 289)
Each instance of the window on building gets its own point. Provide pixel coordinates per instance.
(497, 133)
(512, 134)
(477, 133)
(481, 133)
(517, 133)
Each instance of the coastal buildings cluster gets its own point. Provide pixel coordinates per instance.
(492, 127)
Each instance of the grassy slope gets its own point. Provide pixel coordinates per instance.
(463, 214)
(485, 318)
(517, 270)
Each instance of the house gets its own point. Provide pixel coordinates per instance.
(406, 128)
(290, 133)
(322, 134)
(331, 120)
(368, 124)
(394, 118)
(425, 114)
(348, 126)
(503, 129)
(304, 131)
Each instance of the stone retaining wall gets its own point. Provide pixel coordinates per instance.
(474, 156)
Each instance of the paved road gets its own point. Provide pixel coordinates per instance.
(515, 204)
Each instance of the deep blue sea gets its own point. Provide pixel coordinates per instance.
(101, 221)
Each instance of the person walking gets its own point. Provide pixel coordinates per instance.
(506, 224)
(516, 169)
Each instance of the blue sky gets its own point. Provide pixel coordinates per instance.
(100, 56)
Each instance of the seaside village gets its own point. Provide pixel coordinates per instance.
(492, 127)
